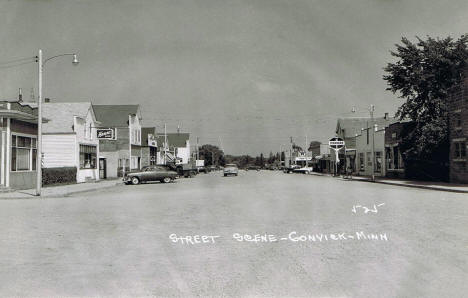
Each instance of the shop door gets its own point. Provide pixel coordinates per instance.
(102, 168)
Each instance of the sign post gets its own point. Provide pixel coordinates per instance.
(336, 144)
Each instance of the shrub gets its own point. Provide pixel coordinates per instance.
(58, 175)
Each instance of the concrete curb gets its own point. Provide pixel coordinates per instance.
(65, 194)
(398, 184)
(414, 186)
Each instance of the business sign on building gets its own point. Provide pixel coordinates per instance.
(303, 158)
(105, 133)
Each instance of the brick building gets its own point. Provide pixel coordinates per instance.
(458, 132)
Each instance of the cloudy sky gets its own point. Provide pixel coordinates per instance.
(246, 75)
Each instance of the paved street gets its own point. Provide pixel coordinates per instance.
(116, 241)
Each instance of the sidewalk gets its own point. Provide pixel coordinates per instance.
(441, 186)
(61, 190)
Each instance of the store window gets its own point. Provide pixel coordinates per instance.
(23, 153)
(369, 159)
(87, 157)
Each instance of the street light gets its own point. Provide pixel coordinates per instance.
(41, 63)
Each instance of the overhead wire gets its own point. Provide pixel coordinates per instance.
(17, 60)
(15, 65)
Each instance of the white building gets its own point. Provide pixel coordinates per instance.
(178, 145)
(69, 139)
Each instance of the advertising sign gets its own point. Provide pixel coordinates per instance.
(105, 133)
(336, 143)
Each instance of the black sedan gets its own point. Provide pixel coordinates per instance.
(150, 173)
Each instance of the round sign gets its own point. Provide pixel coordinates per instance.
(336, 143)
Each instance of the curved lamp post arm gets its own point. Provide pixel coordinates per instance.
(75, 58)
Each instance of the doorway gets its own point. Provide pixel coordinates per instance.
(102, 168)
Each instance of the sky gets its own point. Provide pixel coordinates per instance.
(242, 75)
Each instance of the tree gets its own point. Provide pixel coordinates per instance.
(423, 75)
(208, 152)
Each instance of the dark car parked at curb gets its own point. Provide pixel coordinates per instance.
(150, 173)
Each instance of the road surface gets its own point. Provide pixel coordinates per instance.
(310, 236)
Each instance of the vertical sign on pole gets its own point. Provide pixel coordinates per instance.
(336, 144)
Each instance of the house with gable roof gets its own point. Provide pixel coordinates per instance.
(69, 138)
(120, 139)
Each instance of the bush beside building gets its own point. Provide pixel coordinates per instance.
(64, 175)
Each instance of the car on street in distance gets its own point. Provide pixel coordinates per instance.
(304, 170)
(291, 168)
(230, 169)
(256, 168)
(150, 173)
(212, 168)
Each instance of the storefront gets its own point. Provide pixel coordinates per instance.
(18, 145)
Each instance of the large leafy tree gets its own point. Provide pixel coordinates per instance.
(212, 155)
(423, 74)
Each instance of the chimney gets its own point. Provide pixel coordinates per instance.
(386, 116)
(46, 99)
(20, 95)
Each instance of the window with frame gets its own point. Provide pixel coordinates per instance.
(87, 157)
(369, 160)
(23, 153)
(460, 150)
(457, 120)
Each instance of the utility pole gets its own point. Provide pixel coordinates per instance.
(372, 108)
(290, 151)
(39, 129)
(198, 151)
(165, 143)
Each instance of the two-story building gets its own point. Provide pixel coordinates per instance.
(69, 138)
(120, 140)
(395, 166)
(366, 142)
(458, 132)
(18, 145)
(350, 129)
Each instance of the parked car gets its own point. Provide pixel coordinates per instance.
(150, 173)
(230, 169)
(291, 168)
(202, 170)
(212, 168)
(304, 170)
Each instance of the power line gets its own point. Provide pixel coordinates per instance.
(15, 65)
(18, 60)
